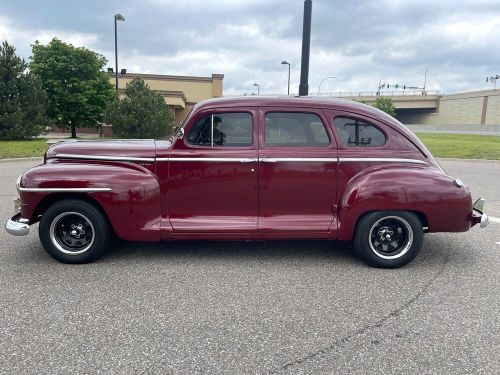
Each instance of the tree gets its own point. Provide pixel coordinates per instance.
(77, 88)
(143, 113)
(386, 105)
(22, 99)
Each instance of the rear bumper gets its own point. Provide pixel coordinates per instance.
(17, 225)
(478, 215)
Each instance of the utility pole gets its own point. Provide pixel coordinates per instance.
(306, 49)
(494, 80)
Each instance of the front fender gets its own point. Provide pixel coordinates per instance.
(428, 191)
(128, 193)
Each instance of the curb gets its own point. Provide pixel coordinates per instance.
(22, 159)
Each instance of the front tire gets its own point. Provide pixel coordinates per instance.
(74, 231)
(388, 239)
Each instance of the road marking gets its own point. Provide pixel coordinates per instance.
(494, 219)
(498, 243)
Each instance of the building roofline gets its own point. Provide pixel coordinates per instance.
(164, 77)
(168, 93)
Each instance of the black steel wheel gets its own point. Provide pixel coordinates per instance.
(74, 231)
(388, 239)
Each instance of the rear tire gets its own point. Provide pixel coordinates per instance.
(388, 239)
(74, 231)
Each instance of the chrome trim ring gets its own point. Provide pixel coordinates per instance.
(389, 247)
(384, 160)
(59, 236)
(103, 157)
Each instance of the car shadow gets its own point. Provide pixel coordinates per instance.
(327, 250)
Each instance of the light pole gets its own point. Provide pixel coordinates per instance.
(287, 63)
(380, 85)
(118, 17)
(323, 80)
(258, 88)
(425, 80)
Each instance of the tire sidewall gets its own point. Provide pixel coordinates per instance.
(362, 239)
(92, 213)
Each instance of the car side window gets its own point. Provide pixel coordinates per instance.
(222, 129)
(294, 129)
(357, 133)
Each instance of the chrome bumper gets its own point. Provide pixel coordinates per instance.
(478, 215)
(17, 225)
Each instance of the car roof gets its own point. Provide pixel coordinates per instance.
(288, 101)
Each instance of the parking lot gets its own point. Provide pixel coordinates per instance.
(298, 307)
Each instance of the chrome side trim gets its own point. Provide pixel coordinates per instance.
(227, 160)
(103, 157)
(384, 160)
(65, 190)
(274, 160)
(248, 160)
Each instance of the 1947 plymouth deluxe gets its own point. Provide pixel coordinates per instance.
(249, 168)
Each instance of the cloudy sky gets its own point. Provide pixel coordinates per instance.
(358, 42)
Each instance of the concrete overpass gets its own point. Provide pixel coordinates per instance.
(412, 107)
(403, 100)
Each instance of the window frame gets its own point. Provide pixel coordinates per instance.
(213, 113)
(354, 117)
(308, 111)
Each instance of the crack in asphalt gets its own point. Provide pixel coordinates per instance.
(322, 352)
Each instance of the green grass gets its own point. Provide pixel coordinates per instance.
(463, 146)
(21, 149)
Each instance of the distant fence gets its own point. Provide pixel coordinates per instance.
(375, 93)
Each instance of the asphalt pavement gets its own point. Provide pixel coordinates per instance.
(285, 307)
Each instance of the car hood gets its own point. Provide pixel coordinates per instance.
(126, 148)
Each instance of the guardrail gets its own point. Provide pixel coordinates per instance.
(374, 93)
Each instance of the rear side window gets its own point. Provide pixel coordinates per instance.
(294, 129)
(222, 129)
(356, 133)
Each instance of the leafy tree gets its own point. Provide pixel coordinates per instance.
(386, 105)
(22, 99)
(77, 88)
(143, 113)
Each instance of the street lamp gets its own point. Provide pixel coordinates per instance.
(425, 80)
(380, 85)
(324, 79)
(258, 88)
(118, 17)
(287, 63)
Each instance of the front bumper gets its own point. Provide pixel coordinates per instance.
(17, 225)
(478, 215)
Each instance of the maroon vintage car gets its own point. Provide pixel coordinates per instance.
(249, 168)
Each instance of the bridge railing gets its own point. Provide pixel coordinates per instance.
(374, 93)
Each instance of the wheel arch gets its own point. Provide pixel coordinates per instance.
(50, 199)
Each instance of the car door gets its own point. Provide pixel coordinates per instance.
(212, 177)
(297, 171)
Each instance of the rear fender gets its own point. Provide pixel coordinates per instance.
(428, 192)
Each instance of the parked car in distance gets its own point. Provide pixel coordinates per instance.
(249, 168)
